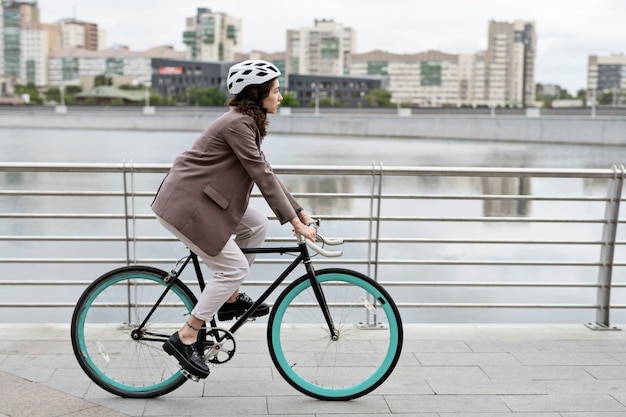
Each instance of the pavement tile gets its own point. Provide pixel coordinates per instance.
(23, 398)
(564, 358)
(500, 415)
(446, 404)
(563, 403)
(537, 373)
(606, 372)
(370, 404)
(486, 387)
(593, 414)
(465, 359)
(213, 406)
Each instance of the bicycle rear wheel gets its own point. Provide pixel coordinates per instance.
(108, 343)
(368, 326)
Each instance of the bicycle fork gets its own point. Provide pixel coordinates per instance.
(321, 300)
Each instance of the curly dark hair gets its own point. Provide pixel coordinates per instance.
(250, 102)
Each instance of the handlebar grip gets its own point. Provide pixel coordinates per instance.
(323, 252)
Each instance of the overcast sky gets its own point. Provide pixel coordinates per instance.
(568, 31)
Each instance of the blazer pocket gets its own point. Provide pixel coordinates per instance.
(216, 196)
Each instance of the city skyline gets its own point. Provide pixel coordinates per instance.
(567, 31)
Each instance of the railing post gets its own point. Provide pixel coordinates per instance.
(126, 231)
(607, 253)
(371, 321)
(129, 213)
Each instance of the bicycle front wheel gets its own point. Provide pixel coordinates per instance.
(110, 345)
(367, 343)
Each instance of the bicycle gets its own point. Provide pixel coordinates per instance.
(318, 330)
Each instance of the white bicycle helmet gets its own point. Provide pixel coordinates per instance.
(251, 72)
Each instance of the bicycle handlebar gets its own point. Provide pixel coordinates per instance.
(327, 241)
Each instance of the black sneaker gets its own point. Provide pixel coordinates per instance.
(230, 311)
(189, 357)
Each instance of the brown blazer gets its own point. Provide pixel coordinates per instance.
(207, 190)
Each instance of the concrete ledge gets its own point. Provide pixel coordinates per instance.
(592, 131)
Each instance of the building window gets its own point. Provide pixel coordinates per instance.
(430, 74)
(30, 71)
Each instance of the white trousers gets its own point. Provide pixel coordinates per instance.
(230, 267)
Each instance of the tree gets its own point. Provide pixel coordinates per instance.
(206, 96)
(130, 87)
(327, 102)
(31, 90)
(53, 94)
(378, 97)
(290, 100)
(102, 79)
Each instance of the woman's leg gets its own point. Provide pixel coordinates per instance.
(229, 267)
(250, 233)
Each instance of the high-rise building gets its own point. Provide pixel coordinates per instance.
(510, 61)
(23, 44)
(76, 34)
(606, 74)
(323, 49)
(212, 36)
(503, 75)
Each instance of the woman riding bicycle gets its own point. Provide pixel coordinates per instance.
(203, 201)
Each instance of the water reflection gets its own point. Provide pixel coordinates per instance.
(508, 186)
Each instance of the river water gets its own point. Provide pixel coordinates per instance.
(115, 146)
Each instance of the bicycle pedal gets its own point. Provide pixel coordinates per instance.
(189, 375)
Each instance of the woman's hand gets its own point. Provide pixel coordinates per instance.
(302, 229)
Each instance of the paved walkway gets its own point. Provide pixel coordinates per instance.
(445, 371)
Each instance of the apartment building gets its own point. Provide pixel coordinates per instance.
(323, 49)
(510, 59)
(23, 44)
(73, 33)
(423, 79)
(77, 66)
(210, 36)
(502, 75)
(606, 74)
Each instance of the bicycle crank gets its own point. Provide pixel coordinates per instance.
(219, 346)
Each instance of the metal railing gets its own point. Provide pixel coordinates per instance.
(429, 234)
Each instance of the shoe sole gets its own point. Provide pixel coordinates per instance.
(238, 313)
(170, 349)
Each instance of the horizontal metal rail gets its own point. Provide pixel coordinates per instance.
(372, 260)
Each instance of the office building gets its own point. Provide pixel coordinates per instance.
(212, 36)
(337, 90)
(323, 49)
(502, 75)
(171, 77)
(80, 66)
(23, 44)
(606, 74)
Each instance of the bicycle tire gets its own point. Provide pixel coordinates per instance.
(106, 344)
(366, 351)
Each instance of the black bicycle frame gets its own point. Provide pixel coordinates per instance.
(303, 257)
